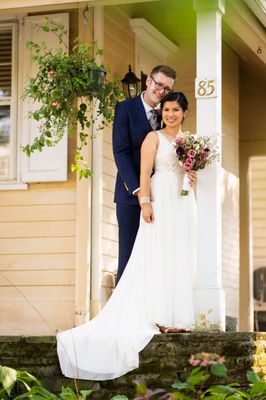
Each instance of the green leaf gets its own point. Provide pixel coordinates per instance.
(8, 377)
(83, 107)
(86, 393)
(219, 370)
(179, 396)
(36, 116)
(197, 376)
(141, 388)
(258, 388)
(252, 377)
(182, 386)
(119, 397)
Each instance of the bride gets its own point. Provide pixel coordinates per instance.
(156, 288)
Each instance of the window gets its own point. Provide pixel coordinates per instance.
(8, 40)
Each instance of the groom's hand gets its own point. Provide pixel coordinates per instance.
(147, 212)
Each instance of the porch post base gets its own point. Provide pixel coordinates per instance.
(210, 301)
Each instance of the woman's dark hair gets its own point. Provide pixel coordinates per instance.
(176, 96)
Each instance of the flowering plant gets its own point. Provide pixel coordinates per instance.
(61, 80)
(207, 368)
(194, 153)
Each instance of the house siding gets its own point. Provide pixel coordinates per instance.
(37, 247)
(258, 201)
(230, 181)
(119, 53)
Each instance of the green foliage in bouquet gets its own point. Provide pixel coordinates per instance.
(61, 80)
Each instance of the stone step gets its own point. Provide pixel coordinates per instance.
(165, 358)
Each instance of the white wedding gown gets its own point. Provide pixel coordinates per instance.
(156, 286)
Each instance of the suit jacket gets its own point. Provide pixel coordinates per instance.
(129, 130)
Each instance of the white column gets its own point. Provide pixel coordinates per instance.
(208, 291)
(97, 202)
(83, 223)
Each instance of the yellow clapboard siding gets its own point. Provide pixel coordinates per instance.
(109, 248)
(108, 182)
(115, 17)
(108, 151)
(37, 278)
(259, 223)
(260, 233)
(259, 194)
(37, 196)
(37, 245)
(109, 214)
(259, 252)
(258, 163)
(109, 263)
(258, 184)
(108, 197)
(110, 231)
(37, 293)
(107, 138)
(38, 213)
(36, 317)
(259, 175)
(37, 229)
(260, 243)
(109, 167)
(28, 262)
(258, 214)
(259, 204)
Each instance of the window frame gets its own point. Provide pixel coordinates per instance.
(12, 102)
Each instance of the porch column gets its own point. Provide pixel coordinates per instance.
(208, 291)
(83, 221)
(97, 170)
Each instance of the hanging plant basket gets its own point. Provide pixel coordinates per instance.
(61, 79)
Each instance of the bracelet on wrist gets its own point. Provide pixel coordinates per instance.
(144, 200)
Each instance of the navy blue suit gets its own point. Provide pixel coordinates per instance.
(129, 130)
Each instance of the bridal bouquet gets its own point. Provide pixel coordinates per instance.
(194, 153)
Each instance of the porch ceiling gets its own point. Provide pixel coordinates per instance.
(177, 21)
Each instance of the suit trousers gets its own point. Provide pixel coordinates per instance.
(128, 224)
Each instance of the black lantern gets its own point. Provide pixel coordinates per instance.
(131, 84)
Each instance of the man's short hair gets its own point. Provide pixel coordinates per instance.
(164, 69)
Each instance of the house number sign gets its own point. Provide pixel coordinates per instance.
(205, 88)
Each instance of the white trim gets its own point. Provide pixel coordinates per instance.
(259, 9)
(11, 101)
(6, 4)
(152, 39)
(13, 185)
(247, 27)
(97, 193)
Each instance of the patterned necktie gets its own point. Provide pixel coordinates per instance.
(154, 119)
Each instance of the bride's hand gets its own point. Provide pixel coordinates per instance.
(147, 212)
(192, 179)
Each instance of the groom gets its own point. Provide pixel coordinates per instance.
(134, 118)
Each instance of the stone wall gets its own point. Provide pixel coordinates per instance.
(165, 358)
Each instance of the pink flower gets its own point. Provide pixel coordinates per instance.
(51, 73)
(205, 363)
(55, 103)
(191, 153)
(195, 363)
(188, 167)
(189, 161)
(180, 142)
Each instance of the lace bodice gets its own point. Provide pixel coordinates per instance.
(165, 159)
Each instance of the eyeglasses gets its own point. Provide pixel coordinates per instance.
(160, 86)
